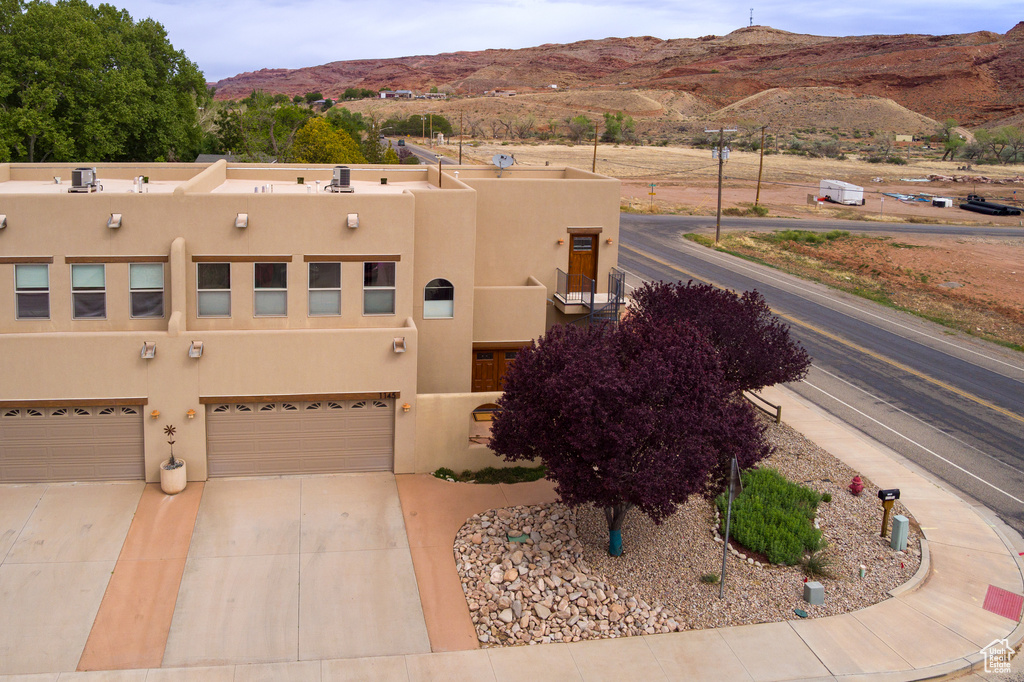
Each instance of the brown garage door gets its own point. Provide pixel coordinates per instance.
(327, 436)
(69, 443)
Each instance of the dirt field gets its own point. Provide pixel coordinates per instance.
(686, 181)
(971, 284)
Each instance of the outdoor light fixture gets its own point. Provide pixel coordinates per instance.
(399, 344)
(242, 221)
(353, 220)
(148, 350)
(610, 240)
(3, 221)
(155, 414)
(561, 241)
(191, 414)
(115, 221)
(405, 407)
(196, 349)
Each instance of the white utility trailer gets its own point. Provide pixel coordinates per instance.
(840, 192)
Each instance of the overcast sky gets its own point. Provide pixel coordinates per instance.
(228, 37)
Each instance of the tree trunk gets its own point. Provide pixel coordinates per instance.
(615, 515)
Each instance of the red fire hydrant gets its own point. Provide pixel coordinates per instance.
(856, 486)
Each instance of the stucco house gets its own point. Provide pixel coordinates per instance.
(285, 318)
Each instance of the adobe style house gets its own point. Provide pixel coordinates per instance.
(284, 318)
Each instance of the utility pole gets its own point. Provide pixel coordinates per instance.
(593, 166)
(760, 167)
(460, 137)
(721, 163)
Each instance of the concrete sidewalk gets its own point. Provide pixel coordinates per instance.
(932, 628)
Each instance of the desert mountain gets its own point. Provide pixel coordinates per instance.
(973, 77)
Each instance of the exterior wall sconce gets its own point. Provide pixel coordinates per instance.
(561, 241)
(155, 414)
(148, 350)
(405, 407)
(609, 241)
(115, 221)
(3, 221)
(191, 414)
(196, 349)
(353, 221)
(242, 221)
(399, 344)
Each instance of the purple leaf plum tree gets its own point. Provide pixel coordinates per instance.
(639, 415)
(753, 344)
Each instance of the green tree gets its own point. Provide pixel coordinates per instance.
(84, 82)
(343, 119)
(578, 127)
(390, 156)
(371, 145)
(951, 140)
(262, 130)
(318, 142)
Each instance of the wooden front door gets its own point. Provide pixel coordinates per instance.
(582, 259)
(489, 367)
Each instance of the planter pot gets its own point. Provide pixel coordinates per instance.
(172, 481)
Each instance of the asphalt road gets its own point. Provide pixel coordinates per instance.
(423, 153)
(949, 403)
(706, 225)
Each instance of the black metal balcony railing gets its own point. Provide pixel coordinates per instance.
(575, 288)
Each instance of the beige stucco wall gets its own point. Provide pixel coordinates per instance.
(494, 238)
(510, 313)
(63, 366)
(445, 248)
(442, 434)
(519, 222)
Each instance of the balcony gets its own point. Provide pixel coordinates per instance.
(576, 294)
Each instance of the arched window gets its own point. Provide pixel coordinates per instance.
(438, 299)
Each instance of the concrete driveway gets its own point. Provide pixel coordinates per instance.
(275, 570)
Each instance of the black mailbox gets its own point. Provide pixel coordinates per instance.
(889, 495)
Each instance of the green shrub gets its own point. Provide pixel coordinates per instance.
(773, 516)
(709, 578)
(806, 237)
(826, 497)
(445, 473)
(491, 475)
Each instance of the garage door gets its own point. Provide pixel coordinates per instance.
(71, 443)
(327, 436)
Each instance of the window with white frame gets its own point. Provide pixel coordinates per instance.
(88, 291)
(324, 289)
(146, 285)
(32, 291)
(438, 299)
(270, 289)
(379, 288)
(213, 289)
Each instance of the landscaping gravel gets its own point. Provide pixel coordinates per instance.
(554, 581)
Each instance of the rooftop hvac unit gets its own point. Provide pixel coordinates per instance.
(83, 180)
(340, 180)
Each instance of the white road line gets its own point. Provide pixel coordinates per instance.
(918, 420)
(740, 264)
(913, 442)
